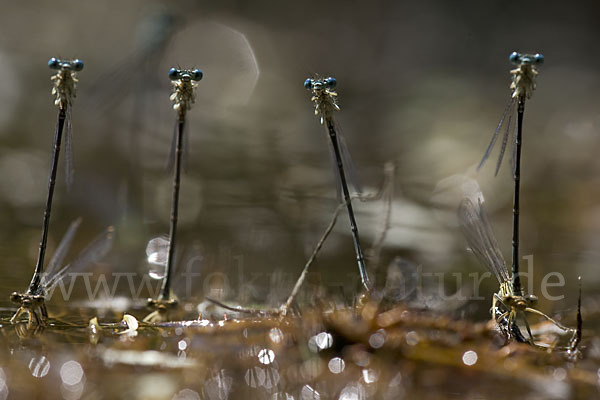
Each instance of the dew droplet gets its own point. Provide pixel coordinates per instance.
(469, 358)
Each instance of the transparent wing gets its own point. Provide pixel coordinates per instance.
(513, 153)
(105, 88)
(507, 133)
(488, 151)
(155, 32)
(480, 237)
(63, 248)
(336, 172)
(94, 252)
(69, 170)
(349, 166)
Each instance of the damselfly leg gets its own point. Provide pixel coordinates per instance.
(32, 304)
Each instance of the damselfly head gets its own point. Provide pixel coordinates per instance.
(65, 65)
(77, 64)
(197, 74)
(320, 84)
(330, 82)
(185, 75)
(528, 59)
(54, 63)
(531, 299)
(16, 298)
(173, 74)
(308, 84)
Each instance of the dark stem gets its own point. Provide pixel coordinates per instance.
(359, 254)
(312, 258)
(166, 287)
(34, 286)
(578, 333)
(516, 279)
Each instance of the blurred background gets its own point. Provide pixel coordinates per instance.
(422, 84)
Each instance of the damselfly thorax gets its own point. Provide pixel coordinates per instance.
(505, 303)
(31, 305)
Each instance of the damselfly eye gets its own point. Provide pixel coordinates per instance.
(53, 63)
(538, 58)
(173, 74)
(308, 83)
(330, 82)
(197, 74)
(532, 299)
(77, 64)
(514, 57)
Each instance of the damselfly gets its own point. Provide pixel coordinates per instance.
(325, 99)
(183, 96)
(522, 86)
(63, 90)
(507, 304)
(32, 302)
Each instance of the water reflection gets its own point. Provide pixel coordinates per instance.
(39, 366)
(255, 377)
(3, 385)
(370, 375)
(266, 356)
(320, 341)
(276, 335)
(377, 339)
(272, 378)
(308, 393)
(336, 365)
(71, 373)
(282, 396)
(469, 358)
(72, 392)
(353, 391)
(219, 386)
(186, 394)
(311, 369)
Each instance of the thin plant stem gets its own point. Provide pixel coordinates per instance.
(312, 258)
(579, 331)
(242, 310)
(389, 171)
